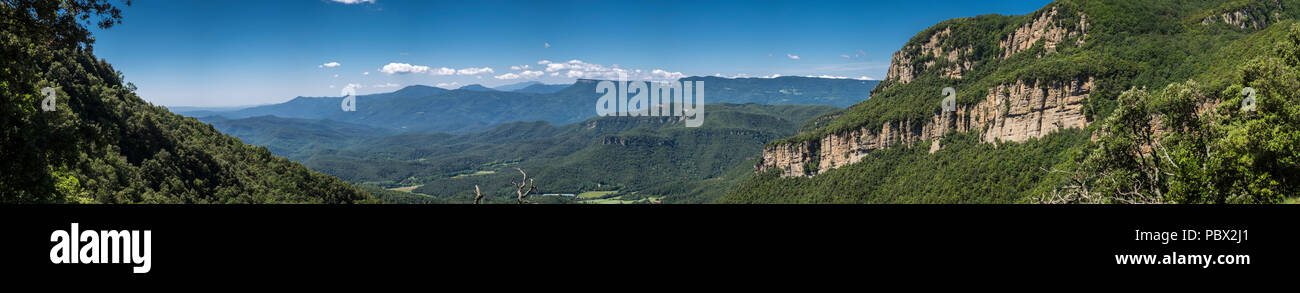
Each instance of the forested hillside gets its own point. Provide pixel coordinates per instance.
(102, 144)
(632, 158)
(1083, 101)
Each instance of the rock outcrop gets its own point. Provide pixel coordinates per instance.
(1047, 29)
(903, 70)
(1247, 17)
(1010, 113)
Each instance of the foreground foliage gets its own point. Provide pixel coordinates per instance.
(103, 144)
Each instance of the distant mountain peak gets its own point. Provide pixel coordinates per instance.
(416, 88)
(476, 87)
(517, 86)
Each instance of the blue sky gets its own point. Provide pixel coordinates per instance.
(226, 53)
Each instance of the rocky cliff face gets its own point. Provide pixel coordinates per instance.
(902, 68)
(1247, 17)
(1046, 28)
(1010, 113)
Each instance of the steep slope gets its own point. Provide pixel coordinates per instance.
(103, 144)
(1023, 84)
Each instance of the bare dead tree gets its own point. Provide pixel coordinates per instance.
(1078, 192)
(478, 196)
(519, 187)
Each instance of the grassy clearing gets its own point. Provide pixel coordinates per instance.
(596, 194)
(475, 174)
(619, 200)
(405, 188)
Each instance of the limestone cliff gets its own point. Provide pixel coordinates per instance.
(1012, 112)
(1047, 28)
(903, 70)
(1253, 17)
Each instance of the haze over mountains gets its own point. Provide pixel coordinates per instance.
(476, 108)
(1083, 101)
(437, 142)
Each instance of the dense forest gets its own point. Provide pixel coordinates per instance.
(100, 143)
(616, 159)
(1169, 121)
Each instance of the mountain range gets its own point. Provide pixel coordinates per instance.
(1082, 101)
(574, 158)
(468, 109)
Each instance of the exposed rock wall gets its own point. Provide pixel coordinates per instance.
(1013, 112)
(1244, 18)
(1045, 28)
(903, 70)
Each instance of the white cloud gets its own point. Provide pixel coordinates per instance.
(403, 68)
(840, 77)
(524, 75)
(444, 71)
(580, 69)
(336, 76)
(331, 86)
(365, 73)
(354, 1)
(384, 85)
(858, 54)
(546, 45)
(746, 75)
(475, 71)
(450, 86)
(352, 86)
(330, 65)
(791, 56)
